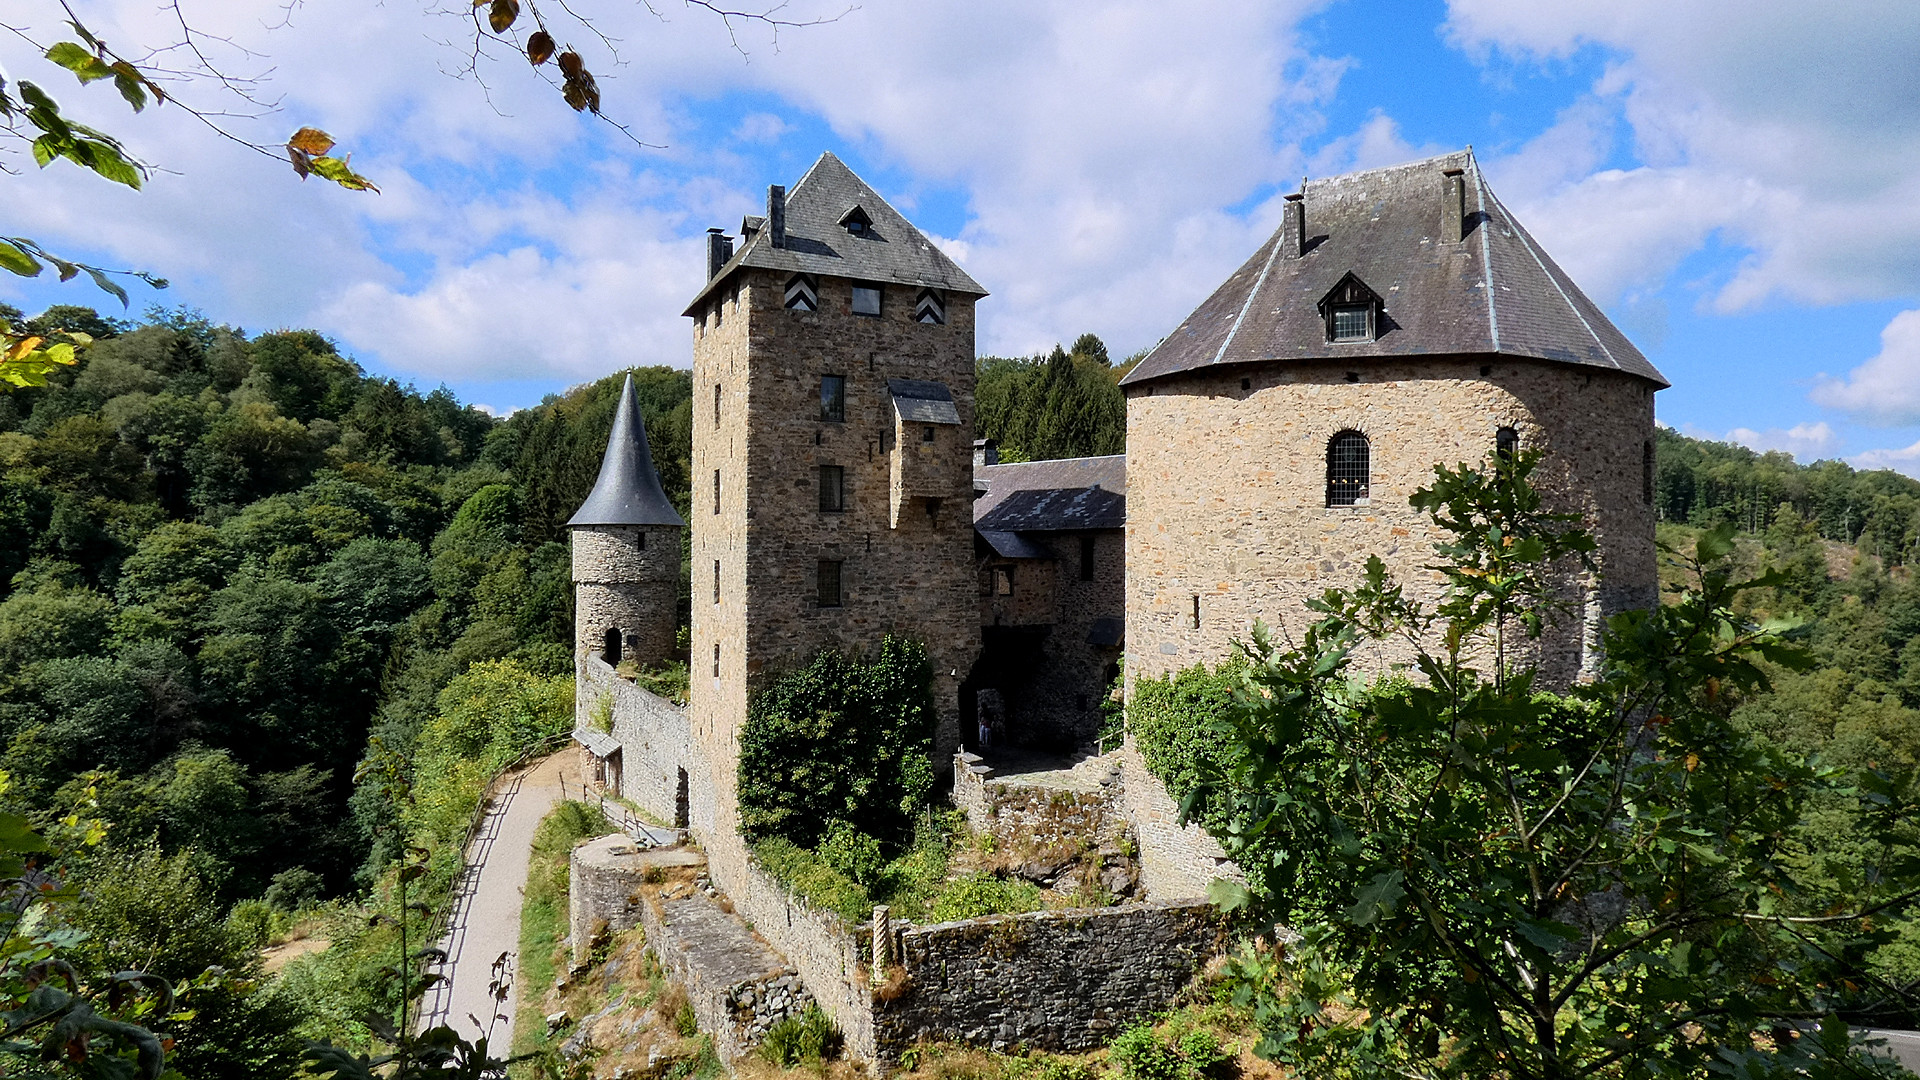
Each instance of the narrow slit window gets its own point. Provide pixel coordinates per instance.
(642, 538)
(1086, 558)
(716, 491)
(833, 488)
(1646, 472)
(1196, 613)
(1349, 470)
(827, 583)
(716, 581)
(716, 659)
(716, 405)
(866, 300)
(833, 399)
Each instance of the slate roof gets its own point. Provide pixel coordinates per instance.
(892, 250)
(1067, 495)
(1496, 291)
(921, 401)
(628, 489)
(1011, 545)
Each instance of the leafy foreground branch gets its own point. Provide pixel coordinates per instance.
(1490, 880)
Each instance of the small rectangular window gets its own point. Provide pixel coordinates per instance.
(866, 300)
(833, 488)
(1003, 581)
(716, 405)
(1086, 558)
(716, 581)
(716, 491)
(1351, 322)
(926, 434)
(1196, 613)
(833, 399)
(642, 545)
(716, 659)
(827, 583)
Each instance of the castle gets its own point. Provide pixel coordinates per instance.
(1398, 318)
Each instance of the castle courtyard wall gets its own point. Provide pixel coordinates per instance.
(1226, 492)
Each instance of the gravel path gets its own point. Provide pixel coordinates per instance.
(483, 937)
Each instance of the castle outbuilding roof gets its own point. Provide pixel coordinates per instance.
(1065, 495)
(809, 233)
(1488, 289)
(628, 490)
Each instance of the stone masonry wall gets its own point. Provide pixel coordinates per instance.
(1176, 861)
(626, 578)
(1012, 813)
(1055, 980)
(1226, 491)
(737, 986)
(602, 878)
(654, 738)
(818, 944)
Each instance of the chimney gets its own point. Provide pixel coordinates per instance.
(1453, 208)
(985, 452)
(1293, 227)
(777, 216)
(719, 250)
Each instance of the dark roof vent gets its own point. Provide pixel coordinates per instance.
(777, 215)
(1453, 208)
(750, 225)
(628, 490)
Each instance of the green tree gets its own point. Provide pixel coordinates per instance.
(1488, 879)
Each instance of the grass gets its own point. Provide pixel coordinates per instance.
(543, 914)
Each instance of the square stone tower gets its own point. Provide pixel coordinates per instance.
(832, 463)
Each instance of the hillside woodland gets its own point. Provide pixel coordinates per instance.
(268, 623)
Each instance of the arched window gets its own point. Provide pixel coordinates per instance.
(1506, 443)
(1349, 464)
(610, 649)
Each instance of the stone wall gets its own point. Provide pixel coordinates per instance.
(1055, 980)
(737, 986)
(1176, 861)
(1012, 813)
(656, 745)
(1036, 648)
(1226, 499)
(627, 578)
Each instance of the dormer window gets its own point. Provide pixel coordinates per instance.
(856, 222)
(1352, 311)
(801, 294)
(931, 307)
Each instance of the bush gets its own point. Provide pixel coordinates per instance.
(1175, 723)
(795, 1040)
(840, 740)
(1139, 1054)
(253, 923)
(974, 895)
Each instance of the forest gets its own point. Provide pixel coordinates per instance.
(269, 622)
(265, 623)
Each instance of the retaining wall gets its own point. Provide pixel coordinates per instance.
(1176, 861)
(653, 734)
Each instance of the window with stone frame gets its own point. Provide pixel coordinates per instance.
(833, 399)
(1349, 470)
(866, 300)
(1086, 558)
(833, 488)
(1003, 581)
(827, 583)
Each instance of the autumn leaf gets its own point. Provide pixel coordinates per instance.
(311, 141)
(539, 48)
(501, 15)
(571, 65)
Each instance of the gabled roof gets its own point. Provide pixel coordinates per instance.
(1495, 291)
(921, 401)
(817, 241)
(1066, 495)
(628, 490)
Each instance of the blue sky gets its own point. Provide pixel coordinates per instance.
(1738, 187)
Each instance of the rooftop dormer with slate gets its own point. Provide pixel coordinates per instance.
(1450, 270)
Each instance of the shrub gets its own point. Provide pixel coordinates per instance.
(795, 1040)
(1175, 721)
(1139, 1054)
(974, 895)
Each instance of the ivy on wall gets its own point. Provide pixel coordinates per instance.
(1175, 722)
(841, 740)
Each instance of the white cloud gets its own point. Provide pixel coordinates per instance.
(1804, 441)
(1906, 460)
(1786, 128)
(1885, 389)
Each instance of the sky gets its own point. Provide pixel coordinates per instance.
(1738, 186)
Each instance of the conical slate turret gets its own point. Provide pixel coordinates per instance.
(628, 490)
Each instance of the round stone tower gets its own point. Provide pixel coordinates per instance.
(626, 552)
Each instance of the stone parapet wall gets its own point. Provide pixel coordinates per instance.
(1012, 813)
(737, 986)
(654, 735)
(603, 879)
(1055, 980)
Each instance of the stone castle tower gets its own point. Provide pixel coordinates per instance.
(1400, 318)
(833, 369)
(626, 551)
